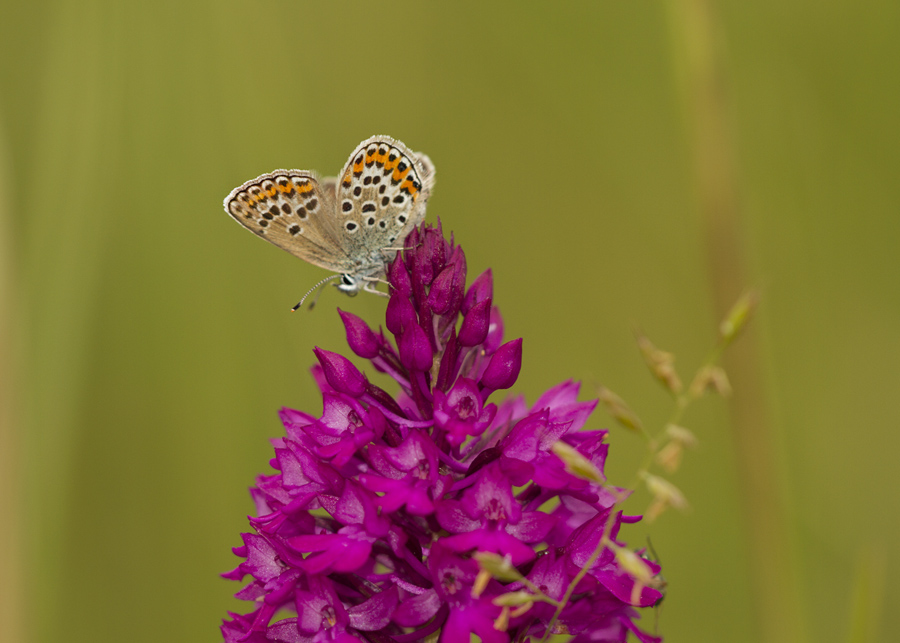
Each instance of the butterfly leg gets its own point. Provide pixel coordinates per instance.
(371, 286)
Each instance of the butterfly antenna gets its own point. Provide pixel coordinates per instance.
(312, 290)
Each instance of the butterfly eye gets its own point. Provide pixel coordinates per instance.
(347, 280)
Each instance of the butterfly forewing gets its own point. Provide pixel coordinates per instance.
(293, 210)
(381, 196)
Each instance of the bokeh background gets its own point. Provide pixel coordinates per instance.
(617, 164)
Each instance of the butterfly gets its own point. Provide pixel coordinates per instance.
(352, 225)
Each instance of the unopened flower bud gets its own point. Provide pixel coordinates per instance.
(482, 288)
(398, 275)
(362, 340)
(495, 332)
(400, 313)
(475, 324)
(341, 374)
(503, 369)
(415, 349)
(446, 294)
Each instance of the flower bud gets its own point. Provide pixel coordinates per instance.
(503, 369)
(421, 262)
(398, 275)
(434, 250)
(362, 340)
(400, 314)
(482, 288)
(495, 332)
(477, 321)
(446, 291)
(341, 374)
(449, 367)
(415, 349)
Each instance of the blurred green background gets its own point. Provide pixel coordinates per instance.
(617, 164)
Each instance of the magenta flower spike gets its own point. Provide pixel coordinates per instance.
(372, 525)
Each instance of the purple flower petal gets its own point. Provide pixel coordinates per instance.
(375, 613)
(416, 610)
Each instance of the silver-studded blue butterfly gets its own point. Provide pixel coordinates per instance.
(353, 224)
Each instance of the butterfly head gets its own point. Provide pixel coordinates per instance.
(349, 284)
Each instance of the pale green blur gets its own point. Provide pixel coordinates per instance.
(146, 344)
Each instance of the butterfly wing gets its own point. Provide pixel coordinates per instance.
(295, 211)
(379, 199)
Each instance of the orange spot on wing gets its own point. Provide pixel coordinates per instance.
(398, 175)
(409, 187)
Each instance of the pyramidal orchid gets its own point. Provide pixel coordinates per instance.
(441, 508)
